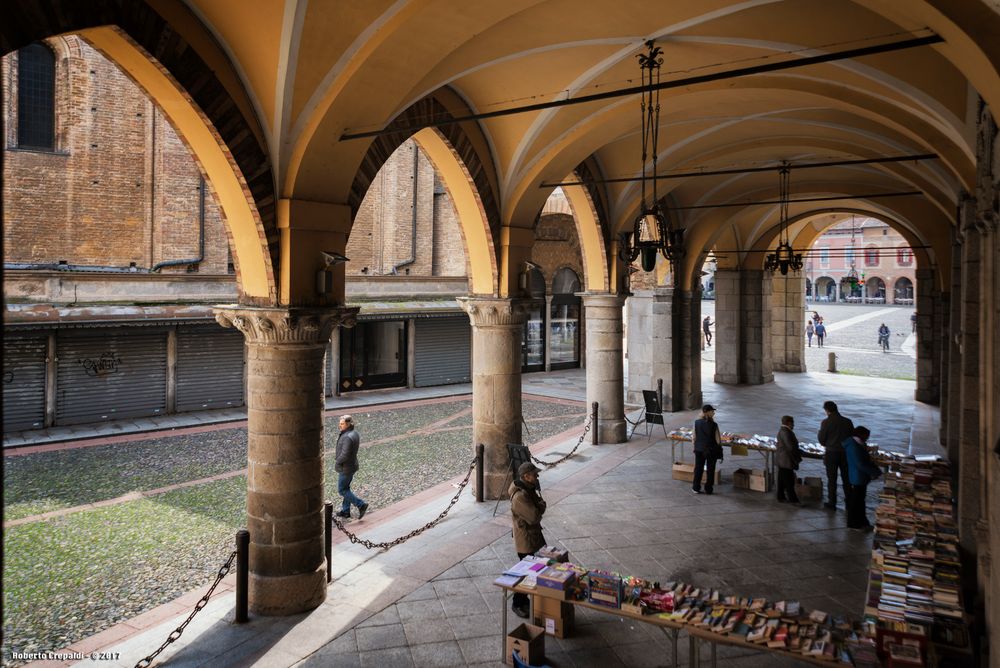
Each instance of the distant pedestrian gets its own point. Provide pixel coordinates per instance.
(787, 457)
(347, 465)
(820, 333)
(913, 322)
(809, 332)
(862, 470)
(707, 449)
(816, 317)
(527, 507)
(883, 337)
(706, 325)
(833, 431)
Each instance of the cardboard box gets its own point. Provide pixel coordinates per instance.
(753, 479)
(529, 641)
(809, 490)
(685, 471)
(556, 617)
(556, 554)
(556, 578)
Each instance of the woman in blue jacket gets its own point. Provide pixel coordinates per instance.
(860, 470)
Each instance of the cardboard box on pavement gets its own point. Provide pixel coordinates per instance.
(529, 641)
(753, 479)
(685, 471)
(809, 490)
(556, 617)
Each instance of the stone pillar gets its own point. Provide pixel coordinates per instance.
(727, 339)
(788, 323)
(969, 443)
(942, 337)
(755, 334)
(952, 409)
(928, 390)
(605, 363)
(285, 402)
(496, 384)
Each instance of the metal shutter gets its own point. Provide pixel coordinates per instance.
(209, 368)
(442, 352)
(110, 374)
(24, 382)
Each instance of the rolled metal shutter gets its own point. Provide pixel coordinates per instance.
(209, 368)
(442, 352)
(109, 374)
(24, 382)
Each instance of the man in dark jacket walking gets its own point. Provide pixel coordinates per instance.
(833, 431)
(527, 507)
(347, 465)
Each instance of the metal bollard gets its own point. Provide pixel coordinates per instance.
(832, 365)
(328, 538)
(242, 575)
(659, 392)
(480, 473)
(593, 422)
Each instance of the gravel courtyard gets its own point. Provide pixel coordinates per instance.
(81, 569)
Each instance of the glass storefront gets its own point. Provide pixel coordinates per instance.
(533, 338)
(564, 332)
(373, 355)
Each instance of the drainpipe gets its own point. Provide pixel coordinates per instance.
(413, 218)
(201, 237)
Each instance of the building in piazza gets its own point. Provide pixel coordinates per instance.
(882, 110)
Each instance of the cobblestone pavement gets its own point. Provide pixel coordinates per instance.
(853, 337)
(71, 576)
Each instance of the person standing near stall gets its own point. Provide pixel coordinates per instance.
(707, 449)
(787, 457)
(527, 507)
(862, 470)
(833, 431)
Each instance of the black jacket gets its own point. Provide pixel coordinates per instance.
(707, 438)
(834, 430)
(347, 451)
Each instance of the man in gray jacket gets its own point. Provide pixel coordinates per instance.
(347, 465)
(833, 431)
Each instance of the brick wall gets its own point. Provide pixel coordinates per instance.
(382, 235)
(557, 245)
(120, 188)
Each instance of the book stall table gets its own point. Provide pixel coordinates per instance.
(767, 445)
(782, 627)
(913, 607)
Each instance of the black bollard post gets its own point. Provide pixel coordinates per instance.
(659, 392)
(480, 473)
(328, 520)
(242, 575)
(593, 422)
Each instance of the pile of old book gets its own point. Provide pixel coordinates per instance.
(783, 626)
(914, 589)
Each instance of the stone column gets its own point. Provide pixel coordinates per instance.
(605, 363)
(727, 340)
(755, 332)
(788, 324)
(496, 383)
(969, 442)
(664, 343)
(953, 407)
(285, 402)
(928, 390)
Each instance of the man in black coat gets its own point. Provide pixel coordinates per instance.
(833, 431)
(707, 449)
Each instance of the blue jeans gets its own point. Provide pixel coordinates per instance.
(344, 489)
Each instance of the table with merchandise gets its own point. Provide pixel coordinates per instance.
(706, 615)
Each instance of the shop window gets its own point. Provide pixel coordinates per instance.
(36, 98)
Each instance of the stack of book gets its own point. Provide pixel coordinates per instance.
(914, 579)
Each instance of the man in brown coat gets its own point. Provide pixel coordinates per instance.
(527, 507)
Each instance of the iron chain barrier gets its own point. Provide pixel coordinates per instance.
(176, 633)
(548, 465)
(416, 532)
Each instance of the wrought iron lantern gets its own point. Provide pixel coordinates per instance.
(651, 232)
(784, 256)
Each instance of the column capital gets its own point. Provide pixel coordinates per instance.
(285, 325)
(609, 299)
(494, 311)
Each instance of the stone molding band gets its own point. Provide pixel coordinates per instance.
(285, 325)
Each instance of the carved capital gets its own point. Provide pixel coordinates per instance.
(602, 299)
(494, 311)
(285, 325)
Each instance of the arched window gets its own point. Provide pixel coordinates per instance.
(871, 257)
(36, 97)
